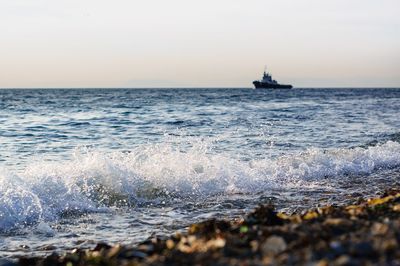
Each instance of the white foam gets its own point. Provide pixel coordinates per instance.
(44, 229)
(94, 180)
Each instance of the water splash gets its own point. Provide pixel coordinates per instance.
(93, 181)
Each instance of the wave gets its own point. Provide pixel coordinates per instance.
(94, 181)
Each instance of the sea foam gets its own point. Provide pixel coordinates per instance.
(94, 181)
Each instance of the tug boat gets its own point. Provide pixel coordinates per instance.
(268, 83)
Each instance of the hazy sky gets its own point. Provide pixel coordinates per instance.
(218, 43)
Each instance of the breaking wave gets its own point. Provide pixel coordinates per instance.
(94, 181)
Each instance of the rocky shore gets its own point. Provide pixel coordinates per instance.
(366, 233)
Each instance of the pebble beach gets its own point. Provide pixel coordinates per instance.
(364, 233)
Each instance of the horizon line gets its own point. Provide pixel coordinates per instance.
(191, 87)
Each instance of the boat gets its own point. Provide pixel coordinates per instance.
(268, 83)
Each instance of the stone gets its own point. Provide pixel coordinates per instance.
(101, 246)
(273, 245)
(337, 222)
(363, 249)
(265, 215)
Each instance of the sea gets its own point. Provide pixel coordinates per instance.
(83, 166)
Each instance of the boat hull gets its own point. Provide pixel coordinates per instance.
(261, 85)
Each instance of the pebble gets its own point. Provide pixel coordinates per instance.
(273, 245)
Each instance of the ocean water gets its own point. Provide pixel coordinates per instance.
(81, 166)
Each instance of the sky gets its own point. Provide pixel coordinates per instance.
(208, 43)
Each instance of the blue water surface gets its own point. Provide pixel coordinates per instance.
(78, 166)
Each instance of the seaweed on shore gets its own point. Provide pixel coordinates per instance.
(367, 233)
